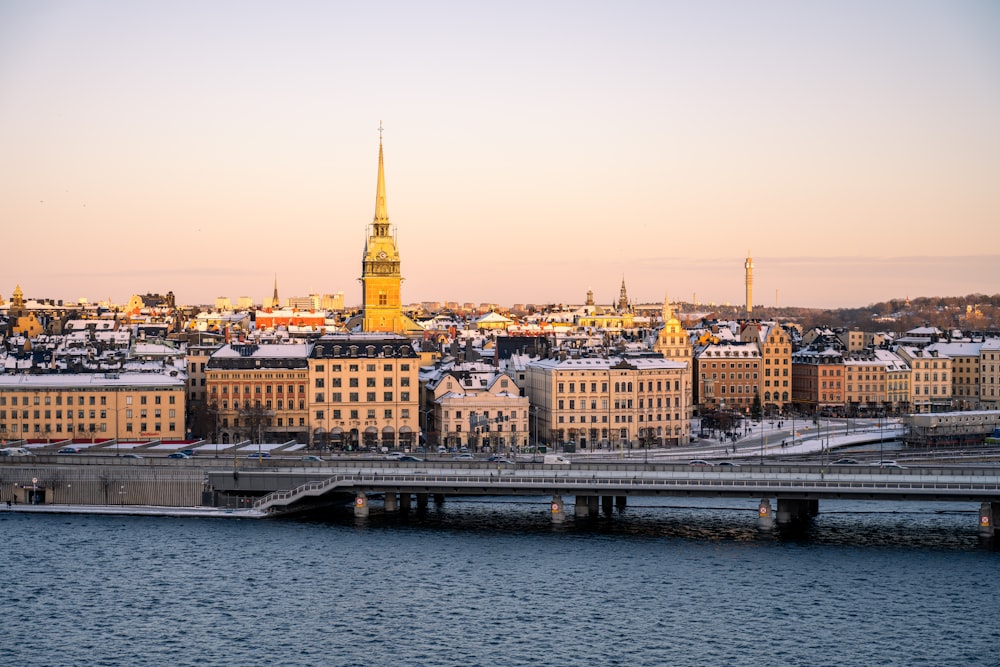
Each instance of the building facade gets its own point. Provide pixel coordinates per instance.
(364, 392)
(92, 406)
(609, 402)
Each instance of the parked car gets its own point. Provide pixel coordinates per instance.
(69, 450)
(177, 455)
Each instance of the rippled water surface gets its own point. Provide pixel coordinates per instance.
(492, 582)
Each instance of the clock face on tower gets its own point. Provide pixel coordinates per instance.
(381, 254)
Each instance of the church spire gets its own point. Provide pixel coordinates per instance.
(274, 300)
(381, 221)
(668, 312)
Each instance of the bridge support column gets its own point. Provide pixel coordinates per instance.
(607, 503)
(796, 509)
(988, 515)
(581, 507)
(361, 505)
(557, 510)
(621, 502)
(404, 501)
(391, 502)
(594, 502)
(439, 499)
(765, 517)
(422, 501)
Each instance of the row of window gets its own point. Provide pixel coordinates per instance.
(619, 387)
(81, 428)
(354, 368)
(80, 414)
(57, 399)
(337, 414)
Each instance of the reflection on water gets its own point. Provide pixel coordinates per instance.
(948, 526)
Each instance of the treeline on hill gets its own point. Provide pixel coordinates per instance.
(974, 312)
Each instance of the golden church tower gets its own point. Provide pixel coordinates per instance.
(380, 276)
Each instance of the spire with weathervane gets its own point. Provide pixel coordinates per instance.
(380, 275)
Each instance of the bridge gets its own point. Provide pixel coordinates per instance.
(797, 489)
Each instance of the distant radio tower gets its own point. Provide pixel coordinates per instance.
(748, 265)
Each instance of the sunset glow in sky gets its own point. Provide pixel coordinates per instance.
(533, 150)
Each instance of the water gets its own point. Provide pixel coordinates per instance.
(492, 582)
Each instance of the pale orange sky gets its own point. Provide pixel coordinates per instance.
(532, 151)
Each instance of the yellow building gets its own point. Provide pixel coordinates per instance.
(776, 352)
(92, 406)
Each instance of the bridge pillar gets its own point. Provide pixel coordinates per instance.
(595, 504)
(621, 502)
(439, 499)
(557, 509)
(765, 517)
(582, 506)
(404, 501)
(391, 502)
(795, 509)
(607, 503)
(988, 515)
(422, 501)
(361, 505)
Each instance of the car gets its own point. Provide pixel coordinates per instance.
(311, 457)
(189, 452)
(409, 458)
(728, 463)
(131, 456)
(178, 455)
(69, 450)
(499, 459)
(464, 450)
(845, 462)
(464, 457)
(393, 456)
(442, 449)
(259, 455)
(699, 462)
(890, 464)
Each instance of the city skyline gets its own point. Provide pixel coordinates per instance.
(531, 154)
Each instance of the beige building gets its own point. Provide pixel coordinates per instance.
(989, 370)
(477, 409)
(930, 378)
(609, 402)
(258, 392)
(92, 406)
(865, 384)
(364, 391)
(965, 372)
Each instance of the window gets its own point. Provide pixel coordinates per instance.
(387, 382)
(369, 382)
(387, 397)
(352, 382)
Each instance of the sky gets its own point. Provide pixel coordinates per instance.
(533, 150)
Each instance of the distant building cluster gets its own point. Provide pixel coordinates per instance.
(584, 376)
